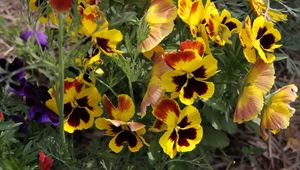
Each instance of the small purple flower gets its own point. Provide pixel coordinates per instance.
(42, 37)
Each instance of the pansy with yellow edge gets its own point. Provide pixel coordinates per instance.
(183, 132)
(159, 17)
(46, 12)
(119, 125)
(92, 20)
(277, 111)
(193, 13)
(228, 26)
(259, 81)
(81, 105)
(189, 73)
(260, 8)
(259, 40)
(107, 41)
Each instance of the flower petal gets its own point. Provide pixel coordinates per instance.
(173, 81)
(194, 88)
(167, 111)
(107, 41)
(157, 33)
(249, 104)
(207, 68)
(186, 61)
(189, 138)
(198, 45)
(167, 142)
(285, 94)
(133, 141)
(275, 117)
(161, 11)
(262, 76)
(154, 91)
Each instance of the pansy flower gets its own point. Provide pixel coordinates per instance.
(107, 41)
(183, 132)
(193, 13)
(39, 37)
(61, 5)
(119, 125)
(259, 81)
(92, 20)
(189, 74)
(277, 112)
(259, 40)
(228, 26)
(160, 17)
(260, 9)
(81, 105)
(46, 12)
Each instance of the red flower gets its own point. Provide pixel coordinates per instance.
(61, 5)
(1, 116)
(45, 161)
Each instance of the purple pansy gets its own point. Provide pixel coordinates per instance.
(42, 37)
(34, 96)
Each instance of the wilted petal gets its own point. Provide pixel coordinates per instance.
(157, 33)
(261, 75)
(249, 104)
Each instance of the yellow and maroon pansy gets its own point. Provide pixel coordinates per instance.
(259, 81)
(193, 13)
(183, 132)
(107, 41)
(228, 26)
(46, 12)
(277, 112)
(189, 75)
(160, 17)
(259, 40)
(80, 105)
(260, 8)
(92, 20)
(119, 125)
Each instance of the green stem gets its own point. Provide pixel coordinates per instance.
(60, 89)
(130, 88)
(106, 85)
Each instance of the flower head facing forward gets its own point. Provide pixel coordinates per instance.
(260, 8)
(277, 112)
(159, 17)
(183, 132)
(251, 100)
(190, 73)
(259, 40)
(80, 105)
(119, 125)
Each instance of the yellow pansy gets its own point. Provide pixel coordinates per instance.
(81, 105)
(191, 69)
(259, 40)
(183, 131)
(119, 125)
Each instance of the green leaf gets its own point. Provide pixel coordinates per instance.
(214, 138)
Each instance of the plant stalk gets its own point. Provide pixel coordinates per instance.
(60, 103)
